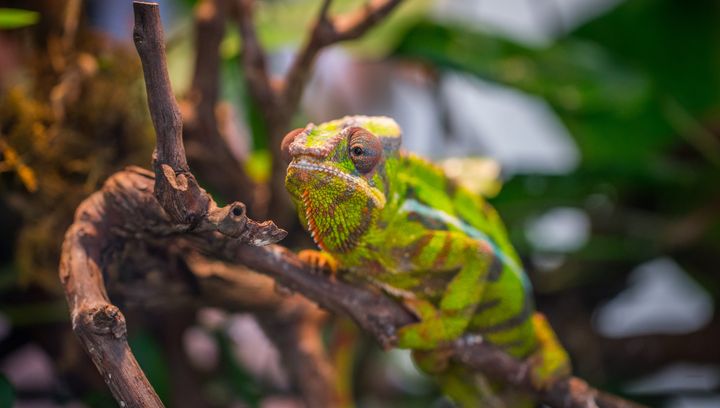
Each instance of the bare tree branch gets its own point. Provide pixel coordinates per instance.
(354, 25)
(298, 338)
(176, 186)
(272, 109)
(98, 323)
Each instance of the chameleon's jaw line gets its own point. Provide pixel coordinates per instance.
(303, 164)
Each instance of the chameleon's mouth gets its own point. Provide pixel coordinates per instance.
(305, 164)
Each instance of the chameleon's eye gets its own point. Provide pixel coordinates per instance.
(286, 142)
(364, 149)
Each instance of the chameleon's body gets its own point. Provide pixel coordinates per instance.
(396, 221)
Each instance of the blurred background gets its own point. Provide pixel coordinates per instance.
(593, 125)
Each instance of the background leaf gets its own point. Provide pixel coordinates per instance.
(16, 18)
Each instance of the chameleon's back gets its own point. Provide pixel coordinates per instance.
(428, 197)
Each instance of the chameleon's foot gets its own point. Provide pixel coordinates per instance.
(319, 261)
(550, 362)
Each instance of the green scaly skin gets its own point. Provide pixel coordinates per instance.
(405, 227)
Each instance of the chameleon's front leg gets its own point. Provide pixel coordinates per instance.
(449, 320)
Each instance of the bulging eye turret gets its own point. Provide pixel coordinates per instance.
(364, 149)
(286, 142)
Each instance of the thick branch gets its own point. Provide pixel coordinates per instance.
(149, 41)
(98, 323)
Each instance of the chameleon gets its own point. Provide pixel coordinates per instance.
(395, 221)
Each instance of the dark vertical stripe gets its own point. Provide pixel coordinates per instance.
(442, 256)
(487, 305)
(495, 268)
(419, 245)
(511, 322)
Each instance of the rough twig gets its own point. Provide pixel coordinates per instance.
(126, 208)
(176, 186)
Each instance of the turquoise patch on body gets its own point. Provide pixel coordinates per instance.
(412, 205)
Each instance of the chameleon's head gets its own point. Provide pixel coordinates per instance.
(338, 176)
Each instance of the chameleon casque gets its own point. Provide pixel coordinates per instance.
(396, 221)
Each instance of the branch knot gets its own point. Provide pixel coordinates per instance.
(102, 319)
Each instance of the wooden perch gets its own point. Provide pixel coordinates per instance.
(98, 323)
(171, 209)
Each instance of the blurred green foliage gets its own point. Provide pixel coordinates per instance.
(7, 395)
(16, 18)
(149, 354)
(234, 377)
